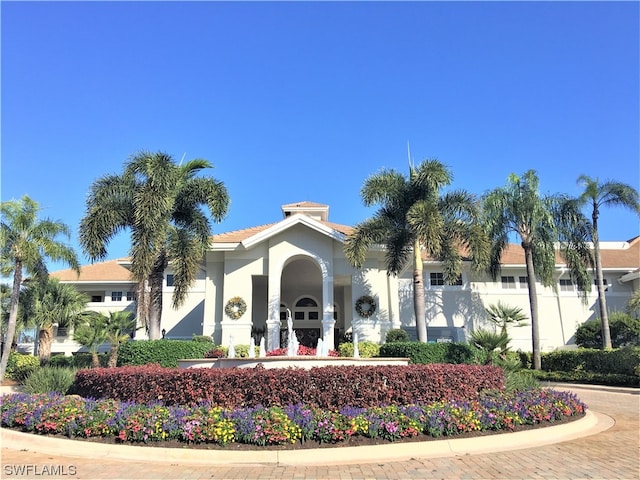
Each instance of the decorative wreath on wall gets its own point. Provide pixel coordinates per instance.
(235, 308)
(365, 306)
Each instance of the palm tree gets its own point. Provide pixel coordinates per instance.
(91, 334)
(414, 217)
(540, 222)
(46, 303)
(595, 196)
(161, 204)
(26, 242)
(633, 307)
(119, 327)
(502, 316)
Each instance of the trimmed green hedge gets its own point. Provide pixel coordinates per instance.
(162, 352)
(611, 379)
(425, 353)
(366, 349)
(622, 361)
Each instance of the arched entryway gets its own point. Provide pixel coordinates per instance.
(301, 294)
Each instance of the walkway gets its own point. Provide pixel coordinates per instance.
(611, 454)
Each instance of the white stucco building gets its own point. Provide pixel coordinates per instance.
(297, 264)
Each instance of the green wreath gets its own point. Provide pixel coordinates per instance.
(235, 308)
(365, 306)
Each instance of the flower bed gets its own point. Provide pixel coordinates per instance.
(74, 417)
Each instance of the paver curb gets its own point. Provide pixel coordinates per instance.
(592, 423)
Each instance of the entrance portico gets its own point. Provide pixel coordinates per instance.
(287, 265)
(300, 280)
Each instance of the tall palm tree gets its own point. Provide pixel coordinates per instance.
(161, 203)
(415, 217)
(595, 196)
(26, 242)
(47, 303)
(541, 222)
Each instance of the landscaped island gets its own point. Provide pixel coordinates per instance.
(443, 409)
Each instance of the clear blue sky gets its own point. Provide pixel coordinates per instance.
(303, 101)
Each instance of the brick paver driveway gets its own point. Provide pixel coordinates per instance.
(612, 454)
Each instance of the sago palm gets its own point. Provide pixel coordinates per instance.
(26, 243)
(595, 196)
(491, 343)
(162, 205)
(414, 216)
(542, 222)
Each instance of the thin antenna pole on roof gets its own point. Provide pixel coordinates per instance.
(182, 159)
(409, 155)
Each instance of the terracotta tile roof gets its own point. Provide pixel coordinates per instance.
(611, 257)
(238, 236)
(110, 270)
(345, 229)
(630, 257)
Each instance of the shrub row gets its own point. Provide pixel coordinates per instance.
(326, 387)
(425, 353)
(162, 352)
(611, 379)
(623, 361)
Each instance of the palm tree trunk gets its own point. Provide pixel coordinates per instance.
(533, 303)
(602, 300)
(156, 280)
(418, 294)
(95, 360)
(113, 355)
(45, 338)
(13, 318)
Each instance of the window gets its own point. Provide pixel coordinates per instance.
(508, 282)
(131, 296)
(523, 281)
(169, 280)
(306, 302)
(566, 285)
(436, 279)
(116, 296)
(604, 282)
(96, 298)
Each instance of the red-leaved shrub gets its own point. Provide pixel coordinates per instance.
(324, 387)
